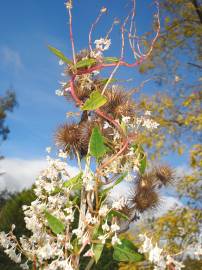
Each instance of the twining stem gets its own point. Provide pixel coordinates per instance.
(71, 36)
(90, 264)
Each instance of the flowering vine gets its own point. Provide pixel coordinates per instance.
(76, 217)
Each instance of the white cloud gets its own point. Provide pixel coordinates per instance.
(20, 173)
(11, 58)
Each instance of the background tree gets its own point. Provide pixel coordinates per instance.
(12, 213)
(7, 103)
(177, 107)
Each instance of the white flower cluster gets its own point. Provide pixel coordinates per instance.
(133, 124)
(52, 197)
(114, 228)
(59, 92)
(102, 44)
(146, 122)
(157, 256)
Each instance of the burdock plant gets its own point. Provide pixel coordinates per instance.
(76, 217)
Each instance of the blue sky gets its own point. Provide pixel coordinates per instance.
(27, 27)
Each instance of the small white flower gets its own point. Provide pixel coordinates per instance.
(147, 113)
(105, 227)
(103, 9)
(102, 44)
(59, 93)
(24, 266)
(126, 119)
(61, 62)
(118, 205)
(129, 177)
(48, 149)
(177, 78)
(91, 219)
(114, 227)
(155, 254)
(103, 238)
(96, 54)
(62, 154)
(68, 4)
(115, 240)
(147, 244)
(89, 253)
(106, 125)
(4, 240)
(103, 210)
(136, 169)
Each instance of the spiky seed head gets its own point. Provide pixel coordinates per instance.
(146, 199)
(67, 137)
(119, 103)
(164, 174)
(144, 195)
(147, 181)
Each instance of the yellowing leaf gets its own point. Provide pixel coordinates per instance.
(95, 101)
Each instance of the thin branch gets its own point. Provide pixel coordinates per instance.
(194, 65)
(92, 29)
(198, 9)
(71, 36)
(90, 264)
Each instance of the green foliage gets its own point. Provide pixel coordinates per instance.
(85, 63)
(95, 101)
(54, 223)
(7, 103)
(115, 213)
(127, 252)
(139, 152)
(60, 55)
(111, 59)
(75, 181)
(97, 249)
(12, 213)
(97, 146)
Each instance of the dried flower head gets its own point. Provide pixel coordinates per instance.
(119, 103)
(67, 137)
(144, 196)
(165, 174)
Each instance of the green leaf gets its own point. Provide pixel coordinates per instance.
(97, 147)
(95, 101)
(105, 80)
(76, 181)
(111, 59)
(97, 249)
(85, 63)
(126, 252)
(114, 213)
(60, 55)
(138, 150)
(54, 223)
(143, 164)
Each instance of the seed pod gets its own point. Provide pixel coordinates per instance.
(144, 195)
(67, 137)
(119, 103)
(164, 174)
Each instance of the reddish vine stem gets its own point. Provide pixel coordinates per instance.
(108, 118)
(102, 65)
